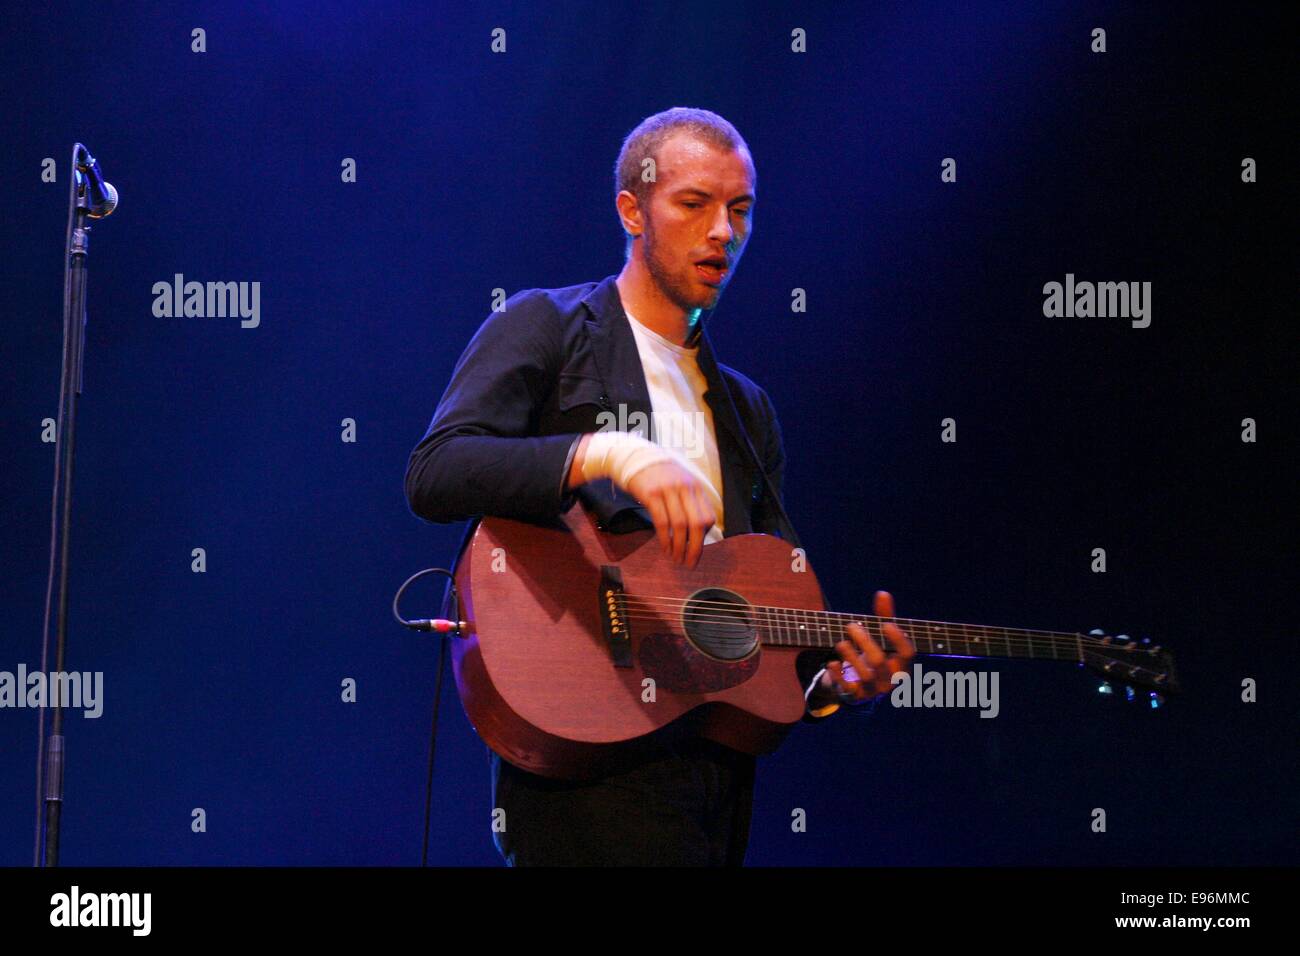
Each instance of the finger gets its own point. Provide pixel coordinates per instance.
(880, 663)
(698, 527)
(901, 644)
(708, 517)
(659, 515)
(875, 656)
(677, 523)
(884, 604)
(859, 689)
(846, 651)
(690, 552)
(843, 687)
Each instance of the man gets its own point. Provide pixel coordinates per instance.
(522, 431)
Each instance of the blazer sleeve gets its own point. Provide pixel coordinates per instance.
(480, 454)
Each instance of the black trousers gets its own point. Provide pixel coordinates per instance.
(689, 805)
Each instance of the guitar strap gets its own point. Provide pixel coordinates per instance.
(770, 490)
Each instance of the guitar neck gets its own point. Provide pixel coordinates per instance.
(793, 627)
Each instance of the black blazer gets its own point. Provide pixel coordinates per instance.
(533, 380)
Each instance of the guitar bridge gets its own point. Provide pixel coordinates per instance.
(613, 618)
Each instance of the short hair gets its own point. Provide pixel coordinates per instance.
(653, 131)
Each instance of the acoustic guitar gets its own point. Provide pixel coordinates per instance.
(574, 643)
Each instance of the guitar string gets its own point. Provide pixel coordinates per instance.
(1133, 669)
(955, 633)
(803, 620)
(1071, 647)
(772, 609)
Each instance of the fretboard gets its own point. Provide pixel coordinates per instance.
(800, 628)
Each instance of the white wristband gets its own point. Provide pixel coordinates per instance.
(620, 455)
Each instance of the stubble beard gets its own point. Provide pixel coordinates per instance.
(676, 289)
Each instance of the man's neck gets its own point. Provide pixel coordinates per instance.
(642, 298)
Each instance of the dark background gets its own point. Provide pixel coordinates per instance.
(478, 171)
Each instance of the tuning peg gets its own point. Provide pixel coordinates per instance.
(1096, 632)
(1128, 692)
(1146, 640)
(1123, 637)
(1157, 700)
(1105, 688)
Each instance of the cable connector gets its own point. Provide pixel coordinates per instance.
(441, 625)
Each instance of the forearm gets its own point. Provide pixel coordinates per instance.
(451, 477)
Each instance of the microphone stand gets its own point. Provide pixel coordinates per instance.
(50, 753)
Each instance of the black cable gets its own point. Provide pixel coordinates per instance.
(428, 625)
(433, 737)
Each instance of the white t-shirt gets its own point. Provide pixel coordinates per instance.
(683, 421)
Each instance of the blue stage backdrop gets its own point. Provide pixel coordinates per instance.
(373, 172)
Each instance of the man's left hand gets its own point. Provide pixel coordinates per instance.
(870, 668)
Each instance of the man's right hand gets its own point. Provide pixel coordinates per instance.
(679, 508)
(676, 500)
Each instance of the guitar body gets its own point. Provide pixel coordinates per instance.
(551, 668)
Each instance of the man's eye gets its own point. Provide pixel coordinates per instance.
(692, 205)
(743, 212)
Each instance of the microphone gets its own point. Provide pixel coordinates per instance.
(103, 197)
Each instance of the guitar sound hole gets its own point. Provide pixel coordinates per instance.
(719, 623)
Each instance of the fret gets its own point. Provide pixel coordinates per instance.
(825, 629)
(802, 627)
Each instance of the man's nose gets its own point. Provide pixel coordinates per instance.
(720, 229)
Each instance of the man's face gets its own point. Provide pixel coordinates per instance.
(698, 220)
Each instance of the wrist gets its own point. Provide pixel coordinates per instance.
(619, 456)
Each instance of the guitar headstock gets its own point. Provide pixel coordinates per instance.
(1135, 665)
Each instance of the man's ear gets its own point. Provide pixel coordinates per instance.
(629, 211)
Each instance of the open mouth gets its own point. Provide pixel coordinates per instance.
(712, 271)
